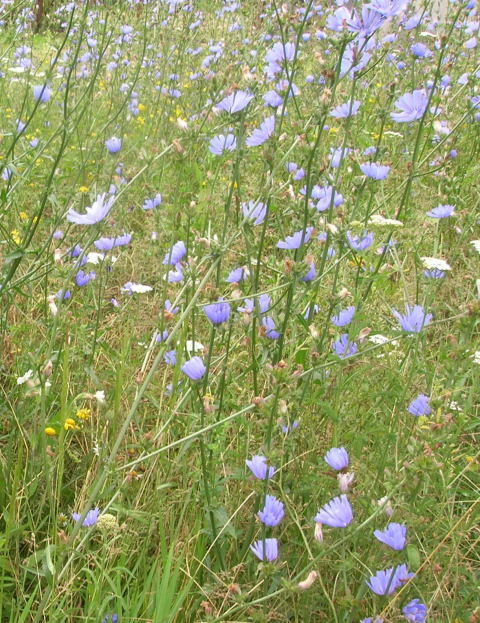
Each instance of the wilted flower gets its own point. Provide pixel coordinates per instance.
(336, 514)
(259, 468)
(414, 318)
(394, 535)
(266, 550)
(194, 368)
(344, 480)
(337, 458)
(420, 406)
(273, 511)
(415, 611)
(308, 582)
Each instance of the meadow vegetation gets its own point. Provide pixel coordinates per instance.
(239, 284)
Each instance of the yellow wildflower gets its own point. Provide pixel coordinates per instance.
(70, 424)
(51, 432)
(15, 236)
(83, 189)
(83, 414)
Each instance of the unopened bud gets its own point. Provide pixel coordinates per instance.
(318, 532)
(343, 293)
(309, 580)
(47, 370)
(364, 333)
(52, 305)
(345, 480)
(387, 506)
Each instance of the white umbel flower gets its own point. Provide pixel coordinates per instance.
(435, 263)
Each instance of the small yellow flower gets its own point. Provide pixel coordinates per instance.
(140, 120)
(83, 189)
(83, 414)
(15, 236)
(70, 424)
(51, 432)
(333, 130)
(23, 216)
(141, 107)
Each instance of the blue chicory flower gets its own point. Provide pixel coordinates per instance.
(349, 109)
(360, 243)
(375, 171)
(269, 328)
(150, 204)
(95, 213)
(412, 106)
(254, 211)
(235, 102)
(344, 317)
(222, 143)
(386, 581)
(415, 611)
(414, 319)
(218, 312)
(441, 211)
(259, 468)
(261, 134)
(337, 458)
(273, 511)
(343, 347)
(42, 93)
(266, 550)
(420, 406)
(296, 240)
(175, 254)
(90, 518)
(113, 145)
(194, 368)
(394, 535)
(337, 513)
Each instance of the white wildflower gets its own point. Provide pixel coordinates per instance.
(23, 379)
(435, 263)
(378, 219)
